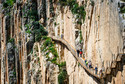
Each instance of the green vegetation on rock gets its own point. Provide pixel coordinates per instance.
(123, 0)
(62, 64)
(8, 3)
(63, 77)
(77, 10)
(33, 27)
(92, 3)
(48, 46)
(122, 10)
(11, 40)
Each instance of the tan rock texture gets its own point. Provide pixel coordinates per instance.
(102, 42)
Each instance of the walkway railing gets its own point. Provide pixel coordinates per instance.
(81, 61)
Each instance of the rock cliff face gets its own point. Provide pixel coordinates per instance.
(102, 34)
(29, 56)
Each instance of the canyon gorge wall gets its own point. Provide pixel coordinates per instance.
(27, 58)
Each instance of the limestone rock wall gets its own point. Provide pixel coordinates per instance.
(102, 33)
(18, 65)
(41, 70)
(102, 41)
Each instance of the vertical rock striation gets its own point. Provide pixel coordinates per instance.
(22, 59)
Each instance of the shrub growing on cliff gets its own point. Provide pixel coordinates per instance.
(39, 33)
(14, 73)
(8, 3)
(122, 10)
(51, 8)
(75, 9)
(62, 64)
(63, 77)
(92, 3)
(123, 0)
(63, 2)
(11, 40)
(48, 45)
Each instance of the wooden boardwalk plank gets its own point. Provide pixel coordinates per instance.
(73, 51)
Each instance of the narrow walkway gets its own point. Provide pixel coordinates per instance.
(90, 71)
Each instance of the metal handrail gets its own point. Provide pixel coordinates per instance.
(73, 51)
